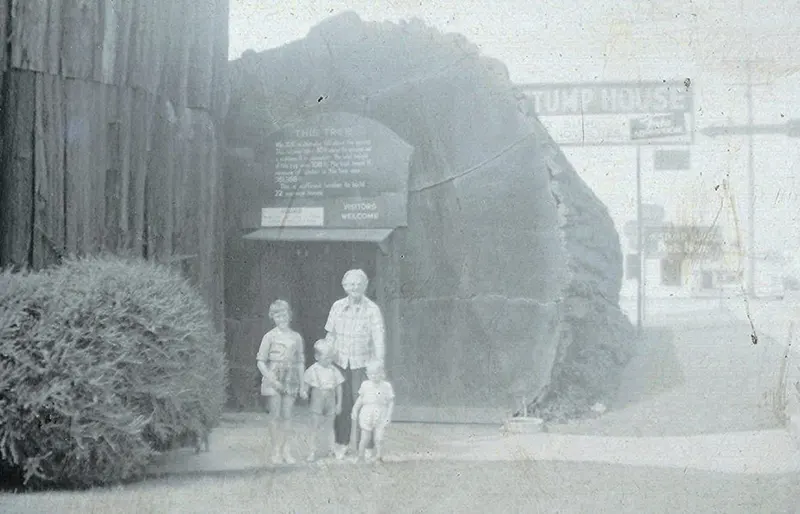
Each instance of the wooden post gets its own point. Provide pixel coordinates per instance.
(639, 242)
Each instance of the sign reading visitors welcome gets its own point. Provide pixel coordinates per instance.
(335, 170)
(600, 113)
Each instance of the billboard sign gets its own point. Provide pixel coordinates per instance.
(601, 113)
(609, 98)
(658, 125)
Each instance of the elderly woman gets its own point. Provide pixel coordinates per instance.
(356, 330)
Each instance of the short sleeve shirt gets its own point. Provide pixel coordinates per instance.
(281, 348)
(320, 377)
(371, 393)
(359, 332)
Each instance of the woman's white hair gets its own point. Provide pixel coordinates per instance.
(356, 273)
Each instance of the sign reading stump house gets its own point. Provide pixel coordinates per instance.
(335, 170)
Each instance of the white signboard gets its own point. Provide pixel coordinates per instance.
(292, 216)
(609, 98)
(600, 113)
(658, 125)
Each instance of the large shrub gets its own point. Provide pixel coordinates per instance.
(103, 361)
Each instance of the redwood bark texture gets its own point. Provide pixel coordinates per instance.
(110, 133)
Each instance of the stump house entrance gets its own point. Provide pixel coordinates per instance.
(316, 269)
(314, 199)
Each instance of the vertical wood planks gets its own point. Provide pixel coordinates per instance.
(48, 234)
(35, 34)
(106, 30)
(147, 44)
(141, 123)
(109, 136)
(176, 69)
(53, 37)
(16, 181)
(192, 222)
(28, 34)
(218, 238)
(159, 182)
(79, 25)
(4, 14)
(76, 165)
(123, 12)
(220, 91)
(201, 55)
(134, 43)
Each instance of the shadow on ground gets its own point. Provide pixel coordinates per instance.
(654, 369)
(694, 373)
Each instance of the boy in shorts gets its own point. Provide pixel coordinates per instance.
(325, 382)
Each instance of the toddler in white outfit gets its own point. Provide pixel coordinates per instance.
(373, 409)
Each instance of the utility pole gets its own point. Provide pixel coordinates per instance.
(751, 188)
(750, 129)
(790, 128)
(639, 243)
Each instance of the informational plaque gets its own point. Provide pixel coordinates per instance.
(335, 170)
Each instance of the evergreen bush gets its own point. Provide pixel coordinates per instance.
(104, 361)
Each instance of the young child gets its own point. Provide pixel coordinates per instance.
(281, 362)
(373, 409)
(325, 382)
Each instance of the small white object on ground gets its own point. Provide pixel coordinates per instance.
(523, 425)
(599, 408)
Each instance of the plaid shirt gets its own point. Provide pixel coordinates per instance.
(358, 332)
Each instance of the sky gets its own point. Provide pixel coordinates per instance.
(626, 40)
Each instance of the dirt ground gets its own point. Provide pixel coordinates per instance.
(436, 487)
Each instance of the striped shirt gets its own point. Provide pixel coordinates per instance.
(358, 332)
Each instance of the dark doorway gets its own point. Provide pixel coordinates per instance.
(321, 267)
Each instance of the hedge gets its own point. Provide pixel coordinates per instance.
(104, 361)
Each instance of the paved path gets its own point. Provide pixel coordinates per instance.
(700, 399)
(772, 451)
(242, 447)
